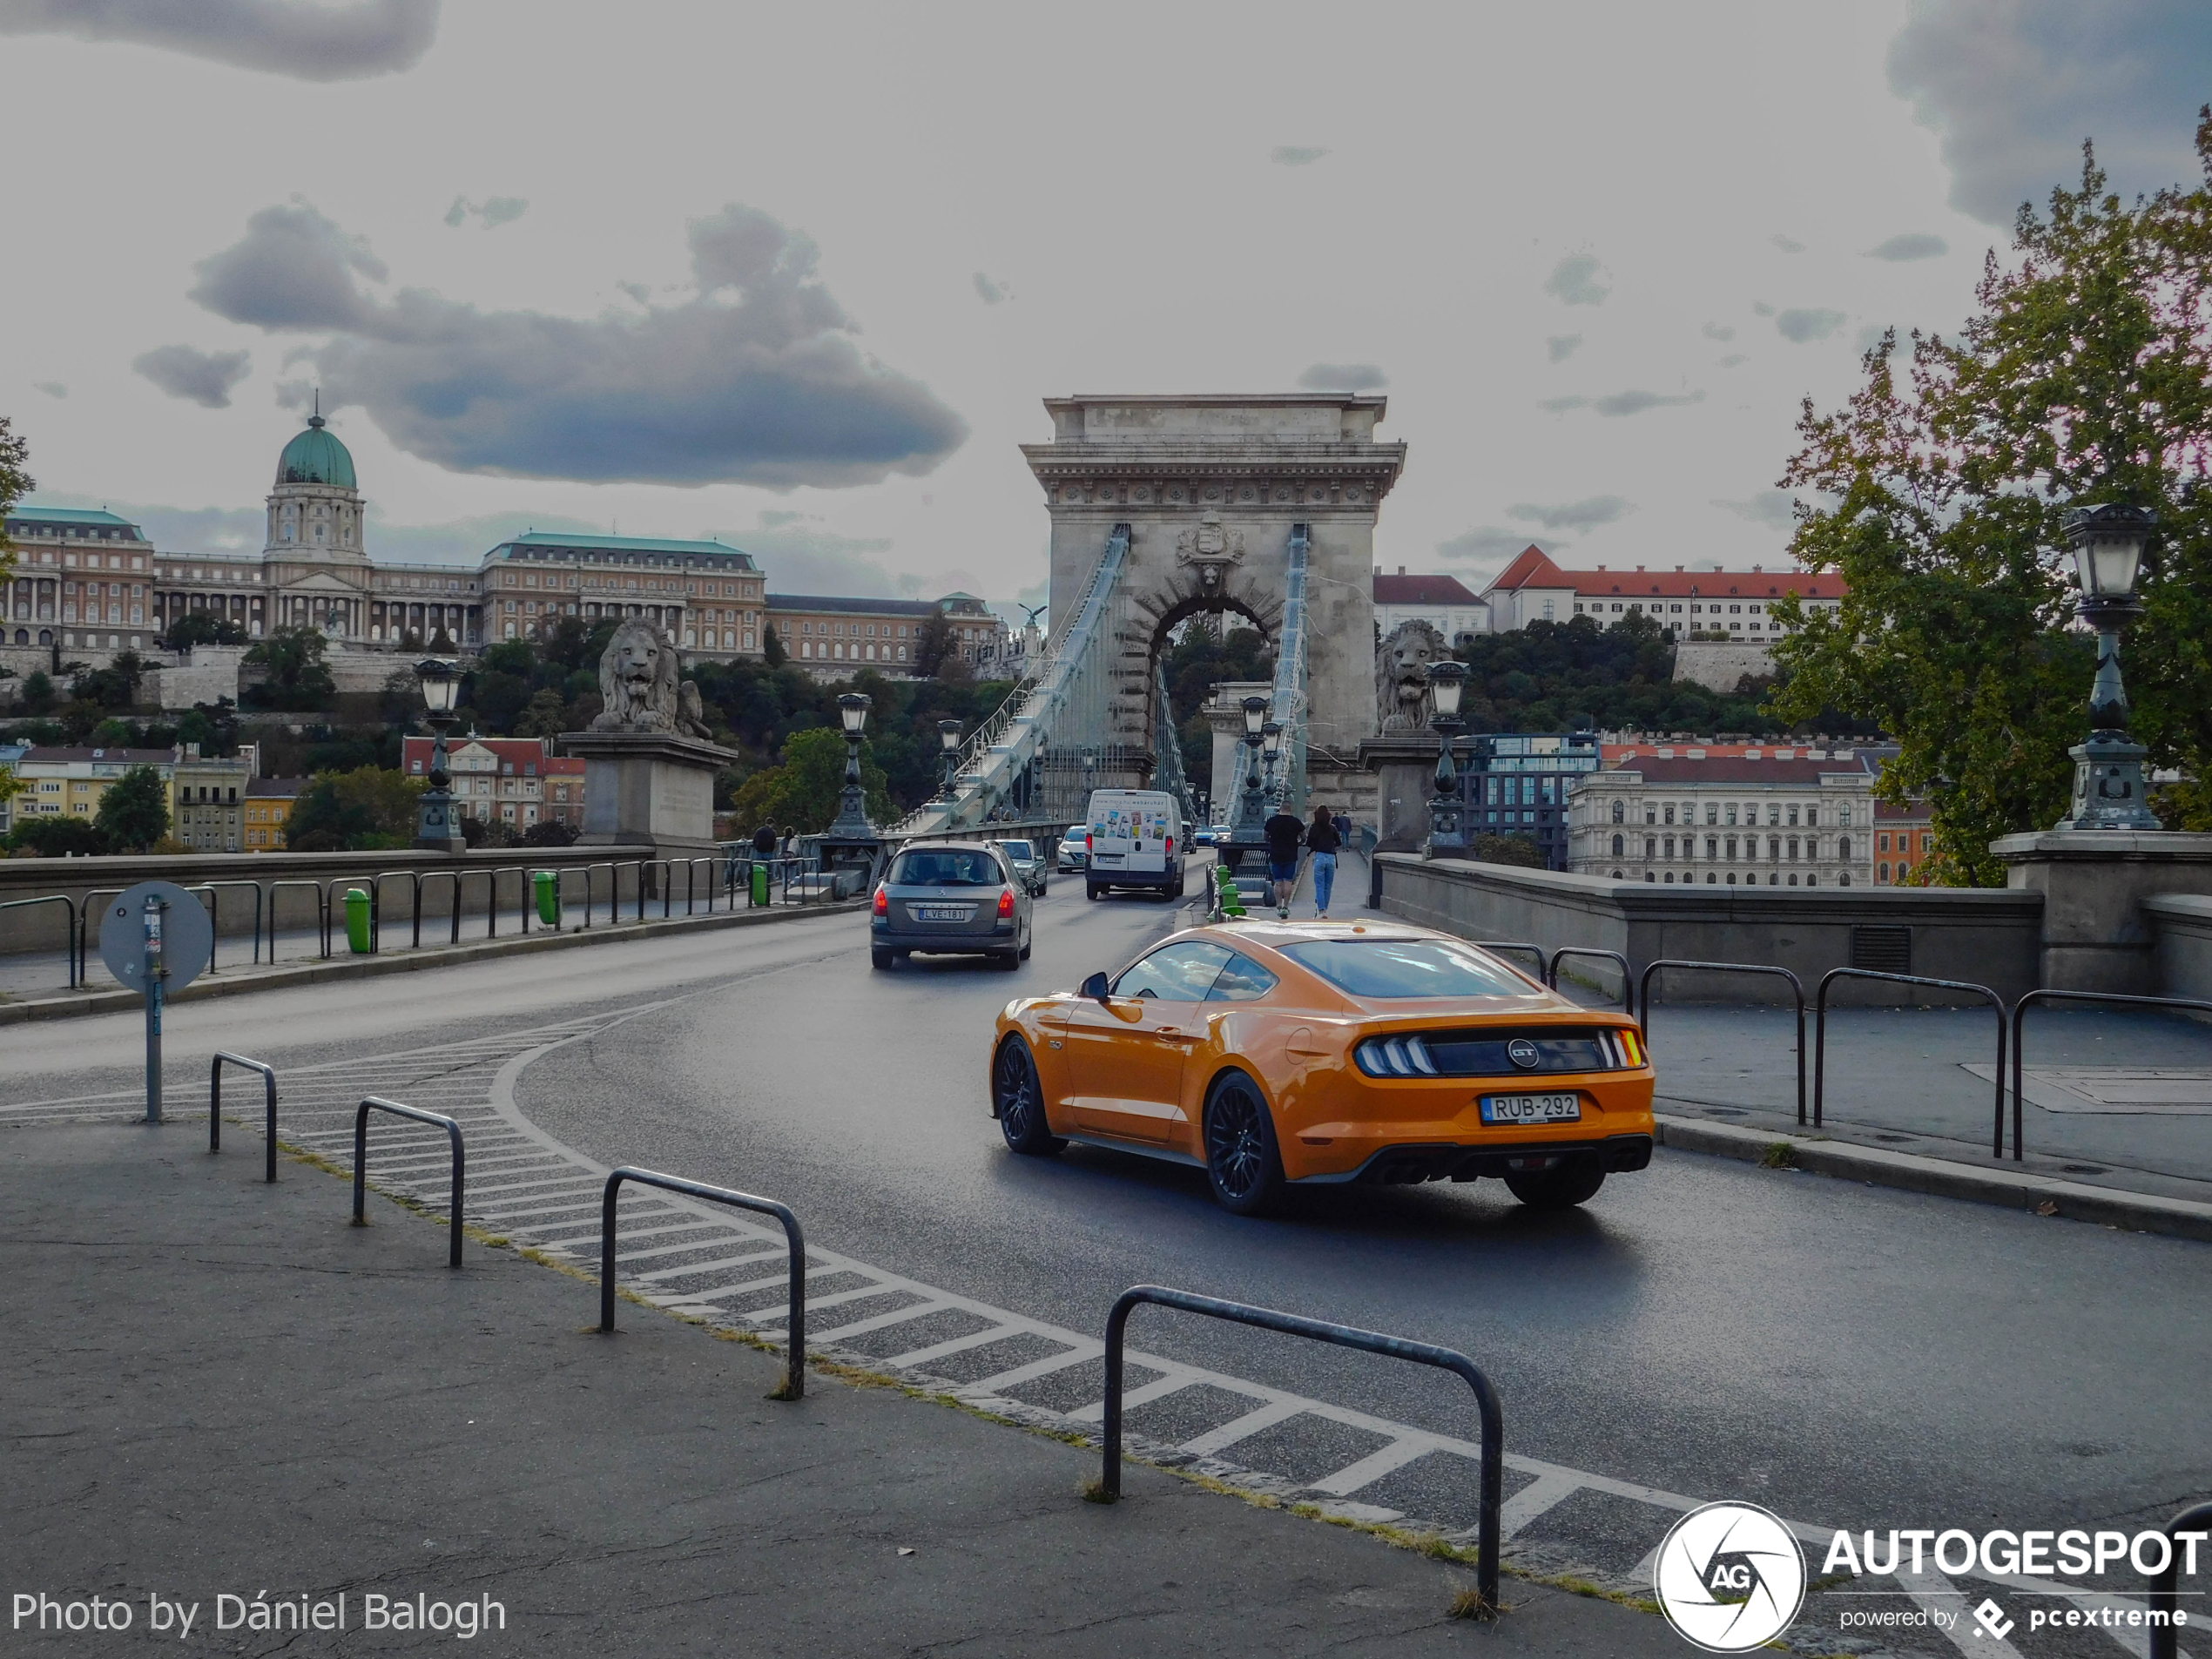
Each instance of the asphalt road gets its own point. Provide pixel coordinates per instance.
(1846, 1355)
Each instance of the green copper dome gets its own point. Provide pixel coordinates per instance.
(316, 457)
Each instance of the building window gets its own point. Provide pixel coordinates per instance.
(1619, 845)
(1882, 872)
(1843, 848)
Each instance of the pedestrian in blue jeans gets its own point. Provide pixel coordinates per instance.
(1322, 841)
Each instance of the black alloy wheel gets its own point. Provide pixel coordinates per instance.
(1242, 1162)
(1019, 1099)
(1561, 1187)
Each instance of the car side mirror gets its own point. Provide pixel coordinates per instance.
(1095, 987)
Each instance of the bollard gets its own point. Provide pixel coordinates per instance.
(548, 883)
(759, 883)
(357, 921)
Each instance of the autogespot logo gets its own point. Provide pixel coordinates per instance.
(1729, 1577)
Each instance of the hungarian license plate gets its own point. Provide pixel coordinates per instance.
(943, 912)
(1532, 1108)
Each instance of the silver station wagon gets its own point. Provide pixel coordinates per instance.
(959, 897)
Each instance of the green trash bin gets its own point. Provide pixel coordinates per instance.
(548, 883)
(357, 925)
(760, 883)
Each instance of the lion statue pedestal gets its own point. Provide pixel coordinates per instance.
(648, 767)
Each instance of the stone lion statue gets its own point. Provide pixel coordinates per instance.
(638, 687)
(1402, 699)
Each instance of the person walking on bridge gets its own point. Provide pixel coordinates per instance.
(1284, 833)
(1323, 841)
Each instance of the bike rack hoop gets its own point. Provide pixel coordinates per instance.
(215, 1102)
(1796, 990)
(1496, 945)
(71, 942)
(2020, 1014)
(360, 1162)
(1628, 973)
(1820, 1034)
(322, 910)
(2165, 1587)
(794, 1385)
(1342, 1336)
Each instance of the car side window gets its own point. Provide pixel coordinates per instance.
(1241, 980)
(1180, 973)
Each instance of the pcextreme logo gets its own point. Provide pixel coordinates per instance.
(1729, 1577)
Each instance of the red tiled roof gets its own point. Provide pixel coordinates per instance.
(1533, 569)
(1917, 811)
(1737, 769)
(1422, 591)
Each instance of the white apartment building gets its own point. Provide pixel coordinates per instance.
(1775, 817)
(1443, 602)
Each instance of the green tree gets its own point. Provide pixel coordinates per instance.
(546, 716)
(38, 695)
(772, 648)
(934, 645)
(2080, 379)
(805, 790)
(134, 810)
(57, 838)
(368, 807)
(202, 627)
(16, 482)
(294, 675)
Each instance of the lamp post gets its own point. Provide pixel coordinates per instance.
(948, 740)
(2107, 544)
(1271, 743)
(1446, 837)
(1243, 829)
(853, 808)
(435, 826)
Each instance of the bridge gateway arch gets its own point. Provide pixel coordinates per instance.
(1164, 507)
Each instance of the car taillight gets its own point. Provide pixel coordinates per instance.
(1086, 843)
(1631, 1046)
(1394, 1057)
(1170, 846)
(1006, 903)
(882, 901)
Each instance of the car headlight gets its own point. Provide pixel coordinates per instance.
(1394, 1057)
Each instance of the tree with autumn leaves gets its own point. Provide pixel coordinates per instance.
(2085, 376)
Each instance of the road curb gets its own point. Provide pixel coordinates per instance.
(319, 971)
(1912, 1173)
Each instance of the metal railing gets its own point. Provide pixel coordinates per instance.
(794, 1385)
(2195, 1523)
(2020, 1014)
(72, 941)
(1342, 1336)
(1796, 990)
(1628, 973)
(215, 1103)
(322, 910)
(215, 915)
(360, 1162)
(1820, 1034)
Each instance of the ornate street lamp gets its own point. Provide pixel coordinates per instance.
(1446, 839)
(853, 808)
(435, 826)
(1271, 743)
(1243, 829)
(2108, 552)
(948, 740)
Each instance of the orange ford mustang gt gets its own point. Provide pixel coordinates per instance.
(1276, 1053)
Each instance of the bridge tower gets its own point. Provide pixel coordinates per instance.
(1224, 496)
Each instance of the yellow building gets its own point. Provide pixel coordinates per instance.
(268, 803)
(71, 782)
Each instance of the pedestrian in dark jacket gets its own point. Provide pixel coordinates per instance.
(1322, 841)
(1285, 835)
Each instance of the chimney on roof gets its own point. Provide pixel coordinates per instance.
(1720, 567)
(1601, 567)
(1678, 570)
(1758, 569)
(1639, 567)
(1401, 569)
(1378, 570)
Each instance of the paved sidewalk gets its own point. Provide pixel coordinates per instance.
(218, 1387)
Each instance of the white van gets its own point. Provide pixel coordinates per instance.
(1135, 841)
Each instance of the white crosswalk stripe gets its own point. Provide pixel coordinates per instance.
(536, 1192)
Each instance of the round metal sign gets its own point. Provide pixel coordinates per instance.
(187, 936)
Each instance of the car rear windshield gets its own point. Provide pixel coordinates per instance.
(1405, 968)
(947, 868)
(1016, 849)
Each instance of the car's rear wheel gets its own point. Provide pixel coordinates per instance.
(1091, 889)
(1242, 1161)
(882, 959)
(1018, 1097)
(1561, 1187)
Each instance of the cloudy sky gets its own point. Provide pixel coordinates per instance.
(799, 277)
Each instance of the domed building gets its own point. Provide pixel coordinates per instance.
(313, 561)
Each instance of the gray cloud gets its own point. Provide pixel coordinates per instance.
(205, 377)
(346, 41)
(1343, 377)
(1763, 309)
(1911, 244)
(1578, 280)
(991, 292)
(1715, 331)
(1619, 403)
(1561, 346)
(1733, 359)
(1489, 544)
(1771, 509)
(1585, 515)
(493, 211)
(2014, 87)
(52, 388)
(1787, 244)
(1296, 155)
(754, 379)
(1808, 323)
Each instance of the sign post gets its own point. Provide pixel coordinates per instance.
(156, 938)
